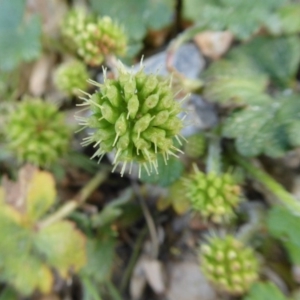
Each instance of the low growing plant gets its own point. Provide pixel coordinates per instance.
(36, 132)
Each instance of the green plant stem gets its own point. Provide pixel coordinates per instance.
(256, 213)
(79, 199)
(270, 183)
(133, 259)
(113, 292)
(149, 220)
(213, 161)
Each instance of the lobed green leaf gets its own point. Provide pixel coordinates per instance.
(19, 38)
(267, 128)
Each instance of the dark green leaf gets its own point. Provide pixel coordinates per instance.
(144, 14)
(8, 294)
(90, 289)
(277, 57)
(100, 254)
(285, 225)
(167, 173)
(265, 291)
(242, 18)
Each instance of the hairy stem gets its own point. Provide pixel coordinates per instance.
(256, 213)
(149, 221)
(133, 259)
(213, 161)
(79, 199)
(270, 183)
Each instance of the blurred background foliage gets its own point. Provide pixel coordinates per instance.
(69, 229)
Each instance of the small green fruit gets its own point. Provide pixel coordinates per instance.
(93, 38)
(71, 77)
(136, 116)
(214, 196)
(229, 264)
(36, 132)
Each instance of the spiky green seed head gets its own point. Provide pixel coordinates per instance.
(71, 77)
(136, 116)
(214, 196)
(229, 264)
(94, 38)
(36, 132)
(195, 145)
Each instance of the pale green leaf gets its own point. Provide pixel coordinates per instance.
(19, 38)
(14, 238)
(264, 129)
(26, 273)
(229, 82)
(290, 18)
(41, 194)
(63, 246)
(265, 291)
(16, 258)
(176, 197)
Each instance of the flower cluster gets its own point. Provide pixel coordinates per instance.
(93, 38)
(135, 115)
(36, 132)
(213, 196)
(71, 77)
(229, 264)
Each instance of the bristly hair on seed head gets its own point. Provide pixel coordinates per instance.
(136, 116)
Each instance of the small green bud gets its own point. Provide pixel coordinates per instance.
(224, 264)
(71, 77)
(134, 120)
(213, 196)
(36, 132)
(160, 118)
(93, 38)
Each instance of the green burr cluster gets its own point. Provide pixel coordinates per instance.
(71, 77)
(214, 196)
(136, 116)
(36, 132)
(93, 38)
(229, 264)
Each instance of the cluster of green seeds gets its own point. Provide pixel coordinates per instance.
(71, 77)
(214, 196)
(93, 38)
(135, 115)
(229, 264)
(36, 132)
